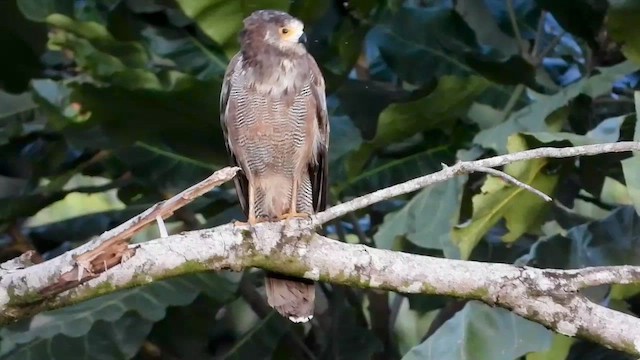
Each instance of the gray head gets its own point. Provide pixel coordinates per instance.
(265, 29)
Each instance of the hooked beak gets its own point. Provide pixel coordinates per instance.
(303, 39)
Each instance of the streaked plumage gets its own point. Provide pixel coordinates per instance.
(274, 116)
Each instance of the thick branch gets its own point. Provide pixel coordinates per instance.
(545, 296)
(549, 297)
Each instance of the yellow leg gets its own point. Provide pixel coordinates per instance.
(252, 220)
(293, 212)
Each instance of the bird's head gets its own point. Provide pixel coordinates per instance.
(274, 28)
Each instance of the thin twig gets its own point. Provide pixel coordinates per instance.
(514, 25)
(513, 101)
(165, 209)
(552, 44)
(510, 179)
(162, 228)
(111, 248)
(466, 167)
(539, 33)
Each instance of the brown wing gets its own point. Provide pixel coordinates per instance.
(240, 181)
(319, 170)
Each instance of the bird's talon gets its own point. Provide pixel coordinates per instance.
(250, 222)
(290, 216)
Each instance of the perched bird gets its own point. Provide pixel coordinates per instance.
(274, 118)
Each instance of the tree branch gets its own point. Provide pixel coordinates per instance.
(549, 297)
(466, 167)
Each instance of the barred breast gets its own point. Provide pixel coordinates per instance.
(272, 133)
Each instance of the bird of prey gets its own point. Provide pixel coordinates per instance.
(274, 117)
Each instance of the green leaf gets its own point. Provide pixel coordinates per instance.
(449, 100)
(192, 341)
(560, 348)
(426, 220)
(433, 38)
(607, 131)
(363, 101)
(631, 166)
(262, 339)
(537, 116)
(445, 104)
(149, 302)
(479, 17)
(483, 332)
(383, 172)
(107, 340)
(11, 105)
(622, 20)
(623, 292)
(95, 49)
(522, 210)
(17, 116)
(221, 20)
(186, 51)
(597, 243)
(38, 10)
(345, 137)
(351, 339)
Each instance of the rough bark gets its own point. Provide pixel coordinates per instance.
(549, 297)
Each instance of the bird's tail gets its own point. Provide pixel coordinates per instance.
(293, 298)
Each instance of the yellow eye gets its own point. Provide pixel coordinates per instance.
(284, 30)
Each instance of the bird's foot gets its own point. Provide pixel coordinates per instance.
(250, 221)
(242, 224)
(293, 215)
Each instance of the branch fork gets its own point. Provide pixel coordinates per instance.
(549, 297)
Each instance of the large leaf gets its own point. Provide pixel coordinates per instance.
(426, 220)
(383, 172)
(621, 20)
(449, 100)
(38, 10)
(421, 44)
(149, 302)
(446, 103)
(363, 101)
(351, 340)
(186, 51)
(480, 17)
(482, 332)
(522, 210)
(631, 166)
(99, 53)
(559, 349)
(262, 339)
(191, 342)
(610, 241)
(222, 19)
(107, 340)
(535, 117)
(18, 116)
(181, 108)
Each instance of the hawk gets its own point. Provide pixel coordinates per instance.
(274, 118)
